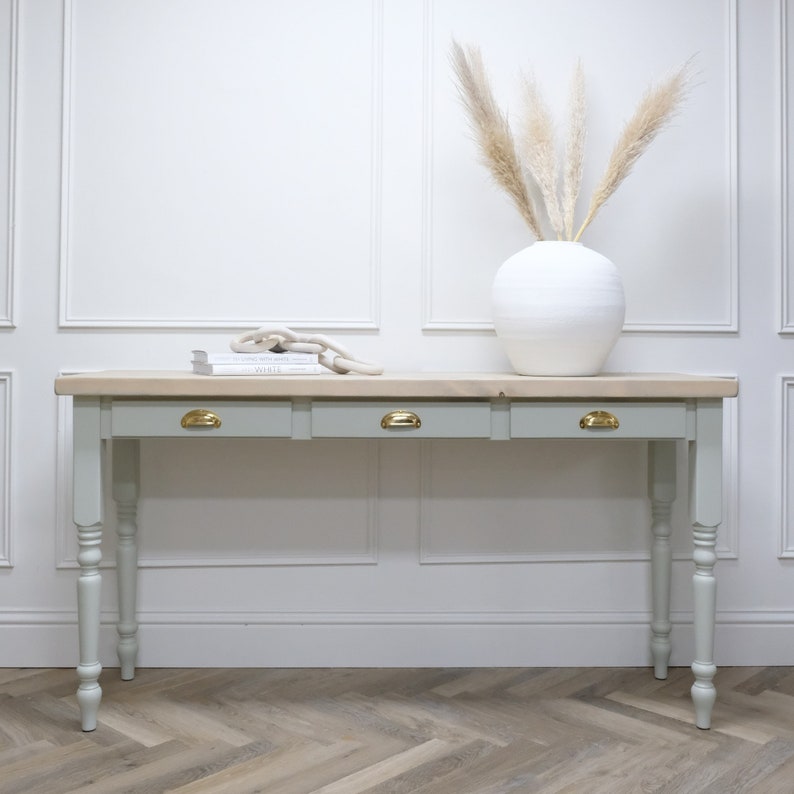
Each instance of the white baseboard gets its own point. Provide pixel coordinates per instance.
(404, 640)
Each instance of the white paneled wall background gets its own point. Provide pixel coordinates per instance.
(174, 172)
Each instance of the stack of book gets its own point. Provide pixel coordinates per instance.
(267, 363)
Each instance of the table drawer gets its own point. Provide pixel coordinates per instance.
(225, 418)
(367, 419)
(600, 420)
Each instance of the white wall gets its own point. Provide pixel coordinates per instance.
(180, 171)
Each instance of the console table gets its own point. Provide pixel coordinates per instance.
(664, 409)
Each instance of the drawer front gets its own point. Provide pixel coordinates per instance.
(565, 420)
(367, 419)
(224, 418)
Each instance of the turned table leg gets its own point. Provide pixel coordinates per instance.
(661, 491)
(88, 518)
(125, 494)
(706, 513)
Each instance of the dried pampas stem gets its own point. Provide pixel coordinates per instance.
(574, 149)
(535, 164)
(539, 151)
(492, 131)
(656, 108)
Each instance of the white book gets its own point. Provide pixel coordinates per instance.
(264, 357)
(258, 369)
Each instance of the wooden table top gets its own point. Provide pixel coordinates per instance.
(422, 385)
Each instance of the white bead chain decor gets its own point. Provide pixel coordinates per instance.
(279, 339)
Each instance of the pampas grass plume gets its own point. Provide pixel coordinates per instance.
(537, 154)
(655, 110)
(574, 149)
(491, 131)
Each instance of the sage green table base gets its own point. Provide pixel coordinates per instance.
(663, 409)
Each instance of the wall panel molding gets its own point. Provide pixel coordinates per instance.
(9, 28)
(84, 305)
(786, 467)
(66, 544)
(728, 535)
(565, 539)
(577, 617)
(435, 319)
(6, 448)
(786, 287)
(491, 638)
(727, 540)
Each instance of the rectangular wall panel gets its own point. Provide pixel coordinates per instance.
(787, 163)
(8, 93)
(221, 163)
(234, 502)
(670, 227)
(787, 467)
(553, 501)
(5, 469)
(540, 501)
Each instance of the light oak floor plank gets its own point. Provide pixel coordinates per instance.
(398, 731)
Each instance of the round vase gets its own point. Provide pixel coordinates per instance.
(558, 309)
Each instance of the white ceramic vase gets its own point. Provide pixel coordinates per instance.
(558, 309)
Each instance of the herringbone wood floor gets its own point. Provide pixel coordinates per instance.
(426, 731)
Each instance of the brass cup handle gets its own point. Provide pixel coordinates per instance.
(401, 419)
(200, 417)
(599, 419)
